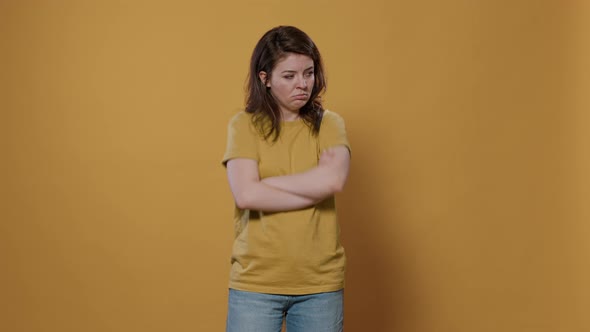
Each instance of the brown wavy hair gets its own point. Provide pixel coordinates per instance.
(275, 45)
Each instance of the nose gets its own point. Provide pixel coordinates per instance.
(303, 82)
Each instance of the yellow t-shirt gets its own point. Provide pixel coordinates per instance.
(294, 252)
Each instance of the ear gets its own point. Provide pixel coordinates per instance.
(262, 76)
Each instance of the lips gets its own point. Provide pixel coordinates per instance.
(301, 96)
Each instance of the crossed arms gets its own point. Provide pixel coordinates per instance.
(289, 192)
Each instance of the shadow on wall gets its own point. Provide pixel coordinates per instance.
(381, 294)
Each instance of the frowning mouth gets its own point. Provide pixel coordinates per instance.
(301, 96)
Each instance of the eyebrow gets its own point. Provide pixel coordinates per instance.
(294, 71)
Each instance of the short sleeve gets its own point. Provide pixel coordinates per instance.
(242, 139)
(332, 131)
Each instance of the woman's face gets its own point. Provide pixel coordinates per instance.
(291, 83)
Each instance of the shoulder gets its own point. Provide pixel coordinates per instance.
(241, 120)
(332, 118)
(241, 124)
(241, 117)
(332, 131)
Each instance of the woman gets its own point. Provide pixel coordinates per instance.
(286, 157)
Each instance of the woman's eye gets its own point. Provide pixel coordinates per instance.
(310, 74)
(289, 76)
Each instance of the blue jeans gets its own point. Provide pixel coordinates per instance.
(258, 312)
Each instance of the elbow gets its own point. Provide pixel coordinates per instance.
(245, 196)
(241, 204)
(242, 200)
(337, 187)
(336, 180)
(337, 184)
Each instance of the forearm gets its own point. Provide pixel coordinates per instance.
(262, 197)
(317, 183)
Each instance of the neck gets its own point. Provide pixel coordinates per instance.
(289, 115)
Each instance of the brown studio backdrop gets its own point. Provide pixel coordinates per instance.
(466, 208)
